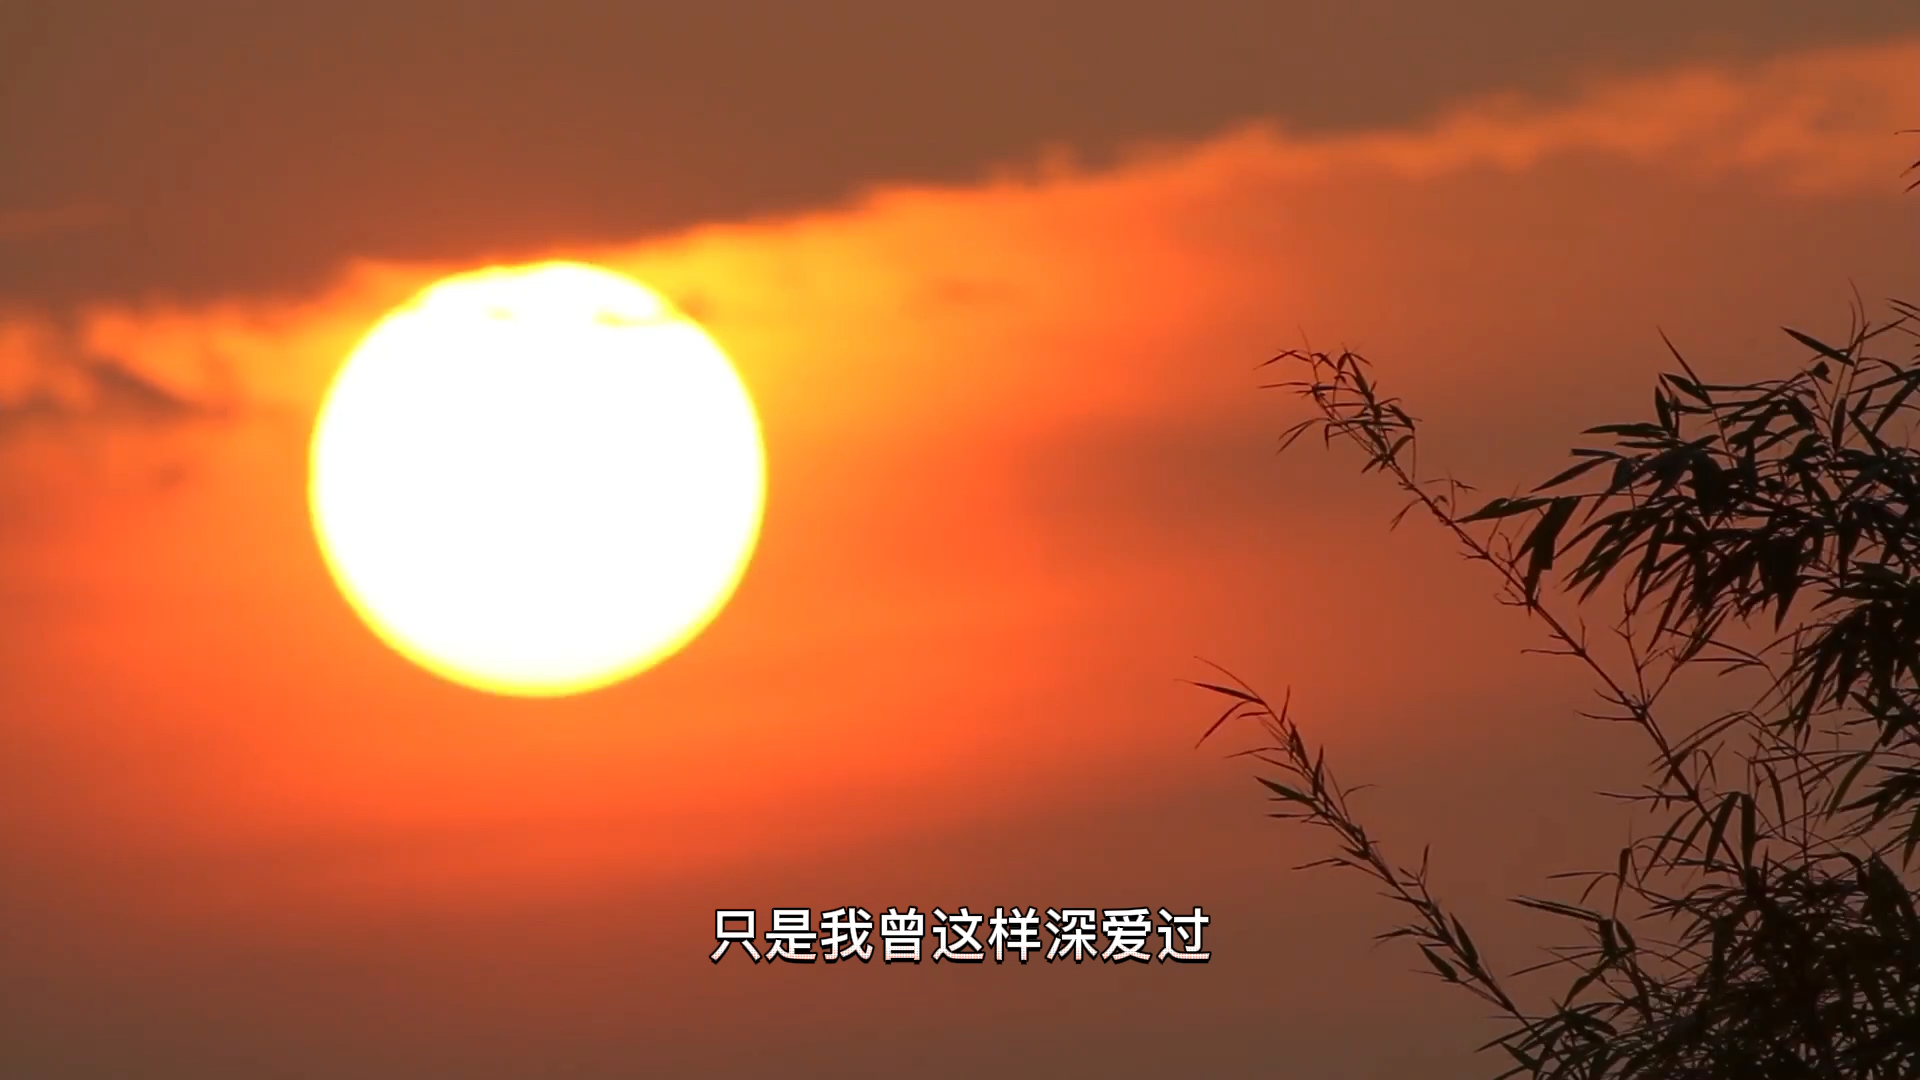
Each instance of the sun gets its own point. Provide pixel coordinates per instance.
(537, 480)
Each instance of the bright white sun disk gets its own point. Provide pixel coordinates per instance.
(537, 480)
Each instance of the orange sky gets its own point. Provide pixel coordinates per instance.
(1019, 476)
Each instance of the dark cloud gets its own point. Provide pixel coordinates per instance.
(122, 393)
(252, 146)
(100, 392)
(15, 224)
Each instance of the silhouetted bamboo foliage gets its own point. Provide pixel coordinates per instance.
(1767, 927)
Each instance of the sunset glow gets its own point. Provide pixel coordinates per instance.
(486, 489)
